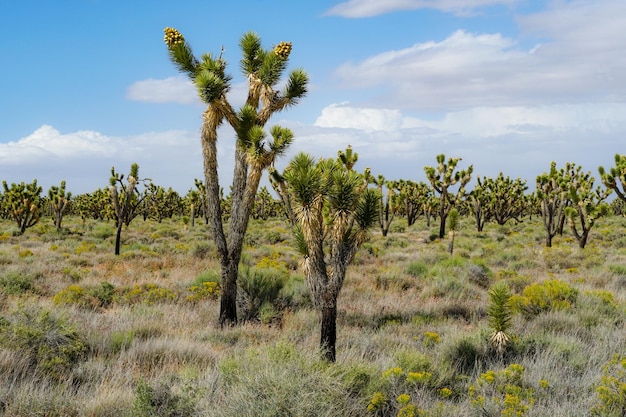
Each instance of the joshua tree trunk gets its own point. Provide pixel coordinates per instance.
(118, 238)
(328, 338)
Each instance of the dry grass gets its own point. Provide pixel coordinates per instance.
(406, 303)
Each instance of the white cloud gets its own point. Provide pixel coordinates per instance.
(366, 119)
(169, 90)
(370, 8)
(518, 141)
(84, 159)
(580, 57)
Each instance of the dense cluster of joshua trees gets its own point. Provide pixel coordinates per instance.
(330, 205)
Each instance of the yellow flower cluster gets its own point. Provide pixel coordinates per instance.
(283, 49)
(377, 401)
(172, 37)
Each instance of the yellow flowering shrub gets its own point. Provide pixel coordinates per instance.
(502, 392)
(147, 294)
(206, 290)
(540, 297)
(611, 391)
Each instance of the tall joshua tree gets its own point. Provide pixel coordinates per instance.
(334, 211)
(442, 178)
(253, 153)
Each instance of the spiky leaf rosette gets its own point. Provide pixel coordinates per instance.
(180, 51)
(499, 312)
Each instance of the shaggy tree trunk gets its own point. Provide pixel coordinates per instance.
(228, 293)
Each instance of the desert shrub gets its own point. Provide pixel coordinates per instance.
(103, 293)
(103, 231)
(207, 290)
(479, 273)
(516, 282)
(560, 257)
(159, 400)
(202, 250)
(206, 286)
(502, 392)
(611, 390)
(15, 283)
(278, 380)
(397, 227)
(392, 278)
(545, 296)
(466, 353)
(295, 292)
(395, 242)
(72, 295)
(147, 294)
(260, 285)
(273, 237)
(396, 389)
(51, 345)
(119, 341)
(417, 269)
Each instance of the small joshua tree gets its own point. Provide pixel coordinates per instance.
(587, 203)
(499, 312)
(59, 200)
(22, 202)
(615, 174)
(126, 200)
(442, 178)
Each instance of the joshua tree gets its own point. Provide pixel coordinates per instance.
(334, 211)
(126, 201)
(500, 199)
(59, 200)
(22, 202)
(348, 158)
(442, 178)
(552, 193)
(253, 154)
(386, 193)
(617, 173)
(587, 203)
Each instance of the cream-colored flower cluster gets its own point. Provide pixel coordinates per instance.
(283, 49)
(172, 37)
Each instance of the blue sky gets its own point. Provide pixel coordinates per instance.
(507, 85)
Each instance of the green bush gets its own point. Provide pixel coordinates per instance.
(158, 400)
(104, 293)
(259, 286)
(417, 269)
(51, 345)
(15, 283)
